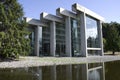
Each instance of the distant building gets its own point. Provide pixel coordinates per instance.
(77, 33)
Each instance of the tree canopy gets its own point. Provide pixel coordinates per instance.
(12, 30)
(111, 35)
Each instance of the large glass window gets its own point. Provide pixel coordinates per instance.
(75, 35)
(60, 39)
(92, 33)
(45, 41)
(94, 52)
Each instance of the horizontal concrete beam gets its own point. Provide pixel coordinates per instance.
(76, 7)
(50, 17)
(93, 48)
(35, 22)
(61, 11)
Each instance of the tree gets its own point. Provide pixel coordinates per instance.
(13, 30)
(105, 27)
(112, 37)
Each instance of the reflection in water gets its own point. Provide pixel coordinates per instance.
(112, 70)
(94, 75)
(96, 71)
(91, 71)
(92, 32)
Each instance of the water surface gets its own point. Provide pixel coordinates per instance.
(88, 71)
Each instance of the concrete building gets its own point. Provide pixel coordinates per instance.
(68, 33)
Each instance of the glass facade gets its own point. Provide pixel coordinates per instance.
(92, 36)
(60, 39)
(93, 52)
(92, 33)
(45, 41)
(75, 37)
(77, 33)
(93, 45)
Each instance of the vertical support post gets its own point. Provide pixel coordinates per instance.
(83, 34)
(68, 36)
(100, 37)
(52, 38)
(37, 41)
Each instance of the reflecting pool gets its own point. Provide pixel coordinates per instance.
(88, 71)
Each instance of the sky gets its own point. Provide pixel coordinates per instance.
(109, 9)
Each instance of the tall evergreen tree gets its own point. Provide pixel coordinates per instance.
(12, 30)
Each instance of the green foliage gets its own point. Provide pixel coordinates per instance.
(12, 30)
(104, 42)
(111, 37)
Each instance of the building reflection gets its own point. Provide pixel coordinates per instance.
(96, 71)
(88, 71)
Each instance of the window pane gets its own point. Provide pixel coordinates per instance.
(92, 33)
(60, 39)
(75, 35)
(45, 41)
(93, 52)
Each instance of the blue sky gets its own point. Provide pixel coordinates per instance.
(109, 9)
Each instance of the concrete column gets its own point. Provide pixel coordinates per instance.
(83, 34)
(52, 38)
(36, 41)
(100, 37)
(68, 36)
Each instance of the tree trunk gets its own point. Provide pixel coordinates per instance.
(113, 53)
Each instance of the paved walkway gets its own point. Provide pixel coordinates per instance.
(46, 61)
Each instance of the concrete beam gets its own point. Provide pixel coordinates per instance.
(76, 7)
(61, 11)
(51, 17)
(35, 21)
(93, 48)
